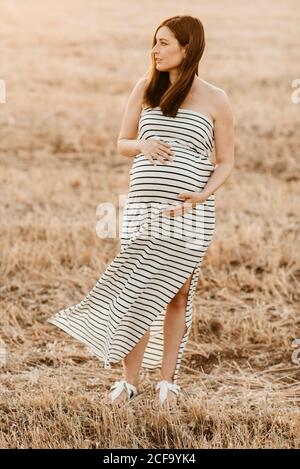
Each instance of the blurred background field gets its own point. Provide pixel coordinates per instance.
(69, 68)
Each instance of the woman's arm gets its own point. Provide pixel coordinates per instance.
(127, 144)
(224, 144)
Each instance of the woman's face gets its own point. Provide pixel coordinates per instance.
(167, 49)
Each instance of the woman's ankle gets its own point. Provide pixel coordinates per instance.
(166, 377)
(131, 380)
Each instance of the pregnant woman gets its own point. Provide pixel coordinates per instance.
(140, 310)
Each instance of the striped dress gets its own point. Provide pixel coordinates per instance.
(158, 253)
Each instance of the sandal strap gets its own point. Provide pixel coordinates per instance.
(164, 387)
(119, 386)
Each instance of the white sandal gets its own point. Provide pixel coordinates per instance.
(164, 387)
(121, 385)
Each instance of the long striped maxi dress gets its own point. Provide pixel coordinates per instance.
(158, 253)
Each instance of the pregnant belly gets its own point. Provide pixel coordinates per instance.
(187, 172)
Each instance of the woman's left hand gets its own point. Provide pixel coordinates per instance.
(191, 199)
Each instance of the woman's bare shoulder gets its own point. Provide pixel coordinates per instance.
(212, 90)
(218, 98)
(139, 89)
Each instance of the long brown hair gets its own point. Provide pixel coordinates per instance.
(189, 32)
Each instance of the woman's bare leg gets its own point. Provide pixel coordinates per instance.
(131, 366)
(174, 328)
(133, 361)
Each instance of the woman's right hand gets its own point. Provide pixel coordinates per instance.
(156, 150)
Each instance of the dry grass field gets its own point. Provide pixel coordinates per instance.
(68, 68)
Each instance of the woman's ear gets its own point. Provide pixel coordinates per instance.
(185, 50)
